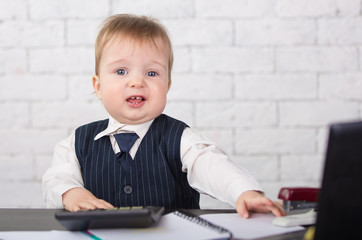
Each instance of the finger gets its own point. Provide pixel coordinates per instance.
(277, 210)
(72, 209)
(242, 209)
(267, 202)
(109, 205)
(101, 204)
(280, 206)
(266, 205)
(262, 205)
(87, 206)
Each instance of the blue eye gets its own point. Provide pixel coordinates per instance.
(152, 74)
(121, 72)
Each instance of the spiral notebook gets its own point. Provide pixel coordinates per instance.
(181, 225)
(174, 226)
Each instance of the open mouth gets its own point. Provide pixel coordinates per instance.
(135, 100)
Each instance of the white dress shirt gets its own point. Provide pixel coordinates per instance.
(208, 168)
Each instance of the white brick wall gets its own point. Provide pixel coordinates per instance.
(262, 78)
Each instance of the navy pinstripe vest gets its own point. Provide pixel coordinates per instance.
(155, 177)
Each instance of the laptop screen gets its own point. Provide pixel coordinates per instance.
(340, 201)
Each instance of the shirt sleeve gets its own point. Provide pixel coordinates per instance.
(210, 171)
(64, 174)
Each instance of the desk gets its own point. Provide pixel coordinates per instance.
(44, 220)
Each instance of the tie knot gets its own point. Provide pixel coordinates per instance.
(125, 140)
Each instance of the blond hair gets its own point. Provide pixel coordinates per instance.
(139, 28)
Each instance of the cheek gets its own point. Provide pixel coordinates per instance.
(162, 101)
(160, 92)
(109, 93)
(158, 99)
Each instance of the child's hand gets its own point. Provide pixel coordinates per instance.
(77, 199)
(256, 201)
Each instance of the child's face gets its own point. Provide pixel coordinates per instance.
(133, 80)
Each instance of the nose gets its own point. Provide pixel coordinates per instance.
(136, 81)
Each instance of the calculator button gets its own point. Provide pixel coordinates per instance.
(127, 189)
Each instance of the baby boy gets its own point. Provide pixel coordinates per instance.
(139, 156)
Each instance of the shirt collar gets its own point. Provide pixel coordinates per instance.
(116, 127)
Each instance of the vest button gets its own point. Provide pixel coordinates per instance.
(127, 189)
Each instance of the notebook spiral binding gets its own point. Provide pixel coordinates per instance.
(203, 222)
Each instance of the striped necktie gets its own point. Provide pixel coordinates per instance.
(125, 142)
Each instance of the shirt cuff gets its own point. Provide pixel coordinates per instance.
(234, 190)
(55, 200)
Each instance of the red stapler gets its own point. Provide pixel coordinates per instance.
(298, 197)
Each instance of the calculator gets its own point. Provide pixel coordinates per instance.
(129, 217)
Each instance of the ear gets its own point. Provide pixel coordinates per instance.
(97, 86)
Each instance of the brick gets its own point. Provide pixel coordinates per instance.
(302, 167)
(275, 32)
(323, 134)
(14, 114)
(276, 86)
(66, 114)
(360, 57)
(234, 8)
(223, 138)
(180, 110)
(58, 9)
(263, 168)
(192, 87)
(316, 113)
(340, 86)
(62, 60)
(348, 8)
(306, 8)
(232, 59)
(340, 31)
(82, 32)
(15, 9)
(272, 188)
(32, 34)
(200, 32)
(158, 9)
(235, 114)
(81, 89)
(317, 59)
(275, 140)
(21, 194)
(31, 140)
(12, 61)
(33, 87)
(317, 8)
(16, 167)
(182, 60)
(42, 163)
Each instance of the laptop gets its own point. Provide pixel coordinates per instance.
(340, 201)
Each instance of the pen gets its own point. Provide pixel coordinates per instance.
(91, 235)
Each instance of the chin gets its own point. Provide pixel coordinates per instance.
(136, 117)
(133, 120)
